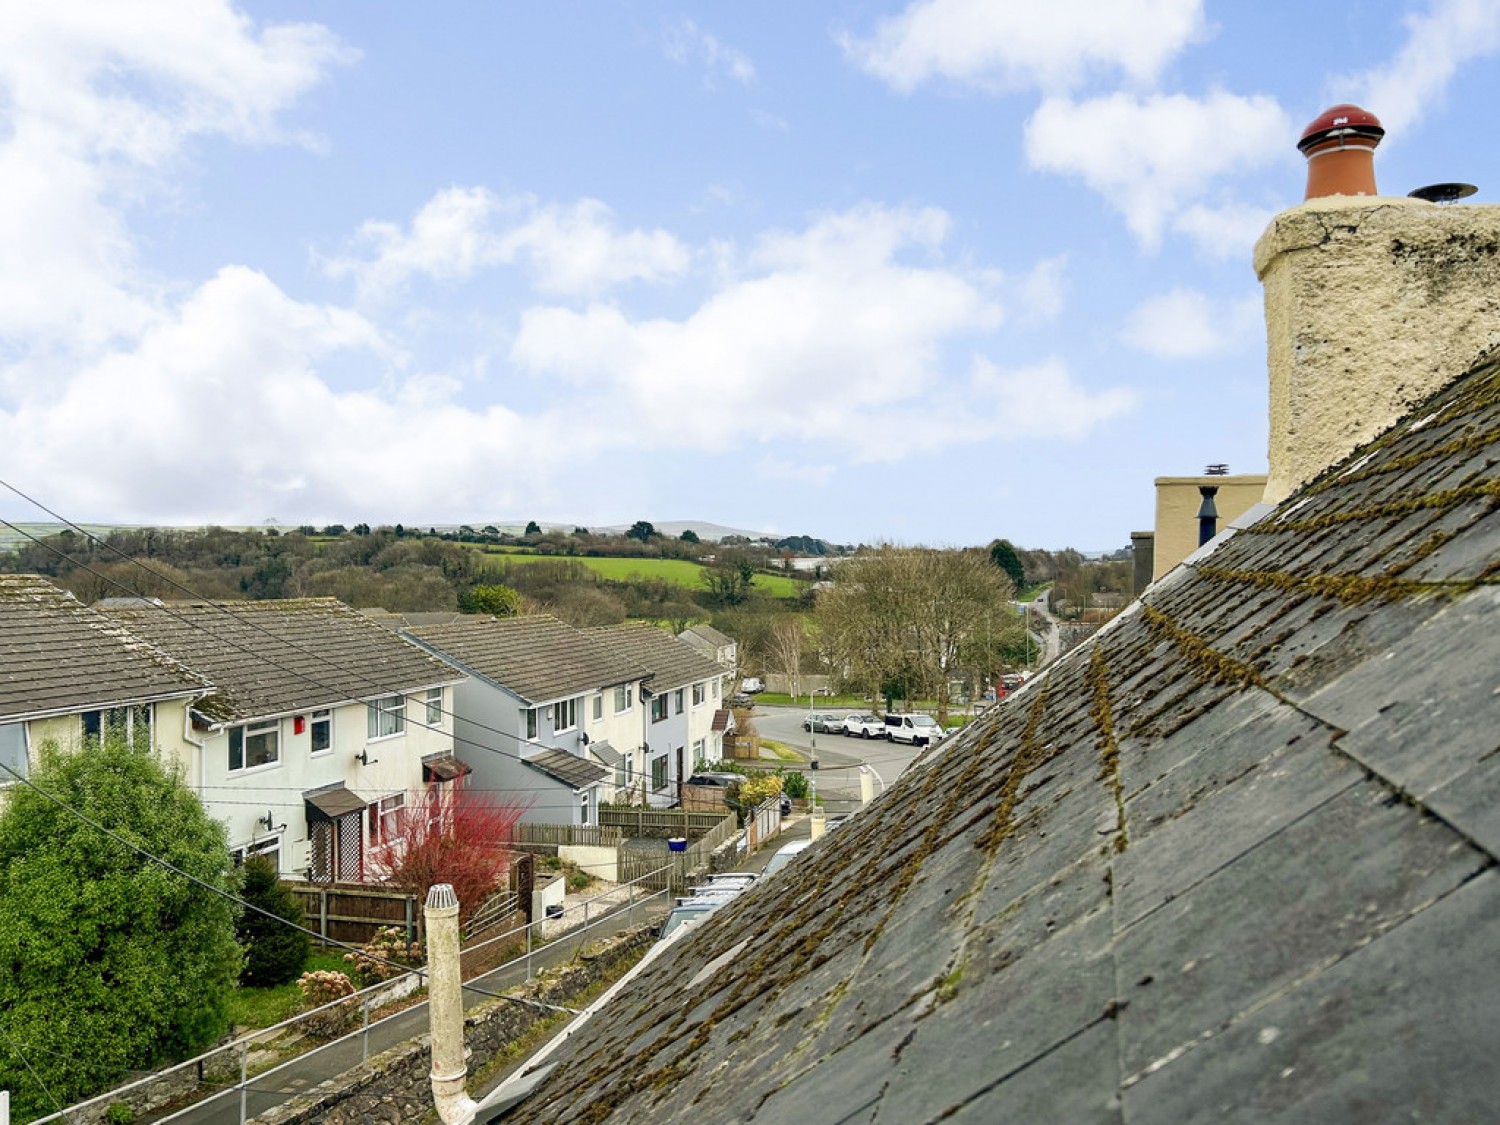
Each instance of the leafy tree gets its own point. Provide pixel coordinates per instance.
(334, 530)
(495, 600)
(1003, 554)
(533, 528)
(274, 953)
(729, 580)
(642, 530)
(108, 961)
(690, 536)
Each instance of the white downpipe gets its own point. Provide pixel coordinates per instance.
(445, 1007)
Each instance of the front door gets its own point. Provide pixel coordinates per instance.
(337, 851)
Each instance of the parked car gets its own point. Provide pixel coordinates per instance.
(740, 699)
(824, 721)
(710, 777)
(752, 684)
(919, 730)
(697, 907)
(785, 854)
(864, 726)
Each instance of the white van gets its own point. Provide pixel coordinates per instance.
(751, 684)
(919, 730)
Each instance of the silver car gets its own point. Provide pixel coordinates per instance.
(864, 726)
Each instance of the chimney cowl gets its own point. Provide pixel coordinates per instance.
(1341, 123)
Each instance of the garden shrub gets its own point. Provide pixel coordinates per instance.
(388, 944)
(274, 953)
(794, 785)
(324, 987)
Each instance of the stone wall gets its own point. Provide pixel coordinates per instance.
(393, 1086)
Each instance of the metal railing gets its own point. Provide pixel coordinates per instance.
(234, 1057)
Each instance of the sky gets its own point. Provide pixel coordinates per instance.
(935, 272)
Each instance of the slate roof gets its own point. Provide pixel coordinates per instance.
(568, 768)
(537, 657)
(281, 657)
(1234, 859)
(59, 656)
(673, 663)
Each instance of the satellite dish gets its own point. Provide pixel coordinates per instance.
(1443, 193)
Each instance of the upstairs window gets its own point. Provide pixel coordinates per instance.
(133, 724)
(677, 700)
(658, 708)
(387, 716)
(434, 706)
(623, 699)
(254, 745)
(531, 722)
(564, 715)
(320, 726)
(598, 707)
(700, 693)
(13, 752)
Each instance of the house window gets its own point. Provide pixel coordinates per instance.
(271, 849)
(716, 689)
(387, 716)
(530, 722)
(132, 723)
(564, 715)
(623, 699)
(700, 693)
(434, 706)
(659, 772)
(598, 707)
(385, 819)
(699, 749)
(254, 745)
(658, 708)
(677, 700)
(321, 728)
(13, 752)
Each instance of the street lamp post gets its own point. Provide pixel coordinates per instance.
(812, 730)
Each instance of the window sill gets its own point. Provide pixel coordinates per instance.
(246, 771)
(385, 738)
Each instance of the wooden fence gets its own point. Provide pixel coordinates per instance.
(645, 858)
(352, 912)
(603, 835)
(660, 824)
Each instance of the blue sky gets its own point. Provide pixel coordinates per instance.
(935, 272)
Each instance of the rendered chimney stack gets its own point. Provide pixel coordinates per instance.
(1372, 302)
(1340, 150)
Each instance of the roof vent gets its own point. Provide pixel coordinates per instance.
(1340, 147)
(1443, 193)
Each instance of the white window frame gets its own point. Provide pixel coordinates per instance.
(247, 731)
(530, 718)
(598, 706)
(434, 702)
(678, 701)
(658, 704)
(385, 819)
(700, 752)
(564, 715)
(271, 846)
(700, 694)
(716, 689)
(323, 716)
(666, 772)
(23, 765)
(389, 711)
(624, 699)
(123, 718)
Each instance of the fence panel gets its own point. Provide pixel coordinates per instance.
(659, 823)
(555, 835)
(352, 912)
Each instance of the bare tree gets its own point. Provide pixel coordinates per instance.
(784, 649)
(908, 621)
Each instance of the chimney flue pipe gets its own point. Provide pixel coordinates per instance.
(445, 1007)
(1340, 150)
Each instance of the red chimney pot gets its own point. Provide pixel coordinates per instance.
(1340, 147)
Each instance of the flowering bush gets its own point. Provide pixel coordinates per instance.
(388, 944)
(324, 987)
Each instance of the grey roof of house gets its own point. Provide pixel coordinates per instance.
(710, 634)
(58, 655)
(1234, 859)
(673, 663)
(607, 754)
(281, 657)
(538, 657)
(567, 768)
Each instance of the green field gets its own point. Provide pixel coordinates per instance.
(679, 572)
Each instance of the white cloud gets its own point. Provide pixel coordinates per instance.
(1151, 156)
(782, 471)
(1043, 291)
(687, 42)
(1041, 400)
(96, 109)
(1226, 232)
(572, 249)
(1007, 46)
(1450, 34)
(220, 410)
(820, 335)
(1187, 324)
